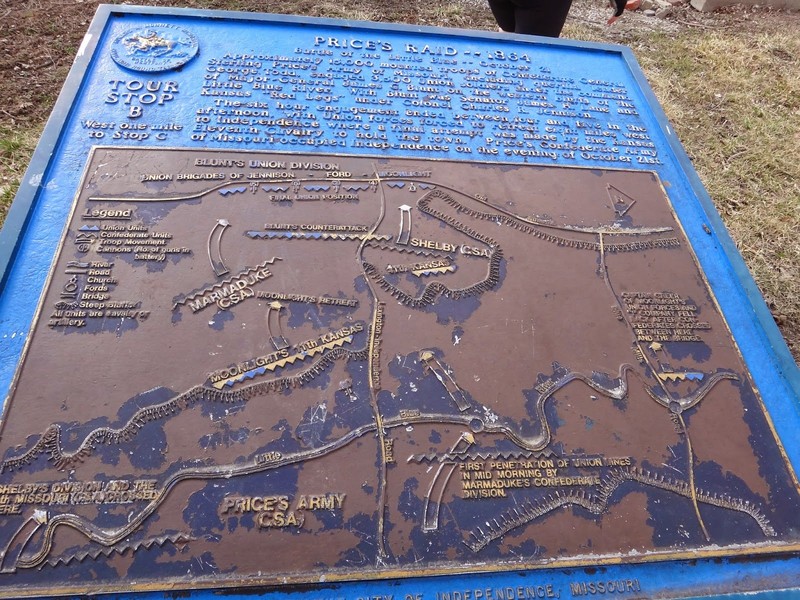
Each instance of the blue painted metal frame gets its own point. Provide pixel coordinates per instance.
(31, 234)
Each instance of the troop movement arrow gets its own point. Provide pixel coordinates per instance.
(456, 393)
(405, 225)
(274, 325)
(215, 247)
(438, 484)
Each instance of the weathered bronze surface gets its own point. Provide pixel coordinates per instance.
(264, 368)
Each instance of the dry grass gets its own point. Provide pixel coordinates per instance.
(744, 142)
(729, 82)
(16, 148)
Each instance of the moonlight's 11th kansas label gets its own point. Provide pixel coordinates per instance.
(306, 367)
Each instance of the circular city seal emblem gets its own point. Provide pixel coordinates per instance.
(153, 48)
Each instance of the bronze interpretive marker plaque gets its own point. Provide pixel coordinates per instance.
(292, 367)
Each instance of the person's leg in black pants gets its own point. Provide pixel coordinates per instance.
(533, 17)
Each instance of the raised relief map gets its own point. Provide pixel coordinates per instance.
(255, 368)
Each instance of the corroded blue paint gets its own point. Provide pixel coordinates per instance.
(35, 223)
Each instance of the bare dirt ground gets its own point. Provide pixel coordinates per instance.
(729, 81)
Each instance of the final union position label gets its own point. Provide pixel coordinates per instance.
(363, 365)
